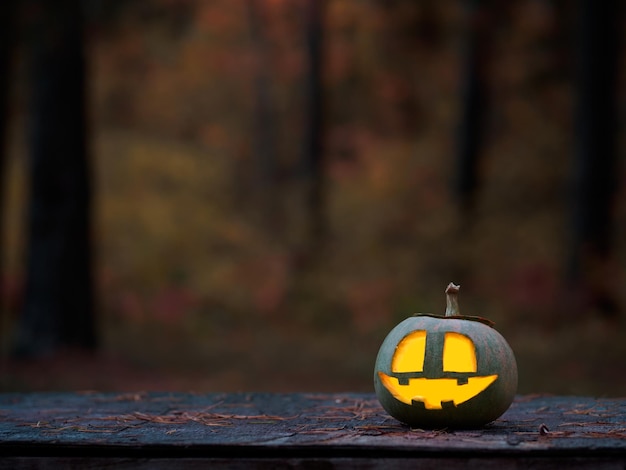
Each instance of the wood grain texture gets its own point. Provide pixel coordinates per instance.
(258, 429)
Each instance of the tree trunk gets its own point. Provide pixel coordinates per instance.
(58, 310)
(470, 133)
(7, 19)
(595, 158)
(313, 161)
(266, 176)
(473, 105)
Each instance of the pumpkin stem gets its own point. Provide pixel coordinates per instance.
(452, 300)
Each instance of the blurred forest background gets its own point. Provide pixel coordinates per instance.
(272, 185)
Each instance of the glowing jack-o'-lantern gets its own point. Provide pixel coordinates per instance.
(445, 371)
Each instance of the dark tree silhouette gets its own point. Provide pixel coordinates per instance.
(58, 310)
(470, 137)
(266, 176)
(7, 20)
(313, 161)
(473, 105)
(595, 158)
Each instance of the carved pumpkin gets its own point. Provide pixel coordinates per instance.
(445, 371)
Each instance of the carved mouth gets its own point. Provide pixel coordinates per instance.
(434, 392)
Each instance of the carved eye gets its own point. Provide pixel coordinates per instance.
(409, 355)
(459, 354)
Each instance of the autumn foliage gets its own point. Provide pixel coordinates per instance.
(204, 269)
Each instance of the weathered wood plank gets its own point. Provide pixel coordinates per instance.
(384, 463)
(152, 428)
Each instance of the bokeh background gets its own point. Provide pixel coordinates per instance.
(275, 187)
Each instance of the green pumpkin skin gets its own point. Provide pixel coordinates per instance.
(493, 356)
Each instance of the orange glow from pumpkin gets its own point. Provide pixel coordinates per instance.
(459, 356)
(409, 355)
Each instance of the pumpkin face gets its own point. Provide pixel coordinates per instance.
(445, 371)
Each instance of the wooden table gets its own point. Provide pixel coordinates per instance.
(260, 430)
